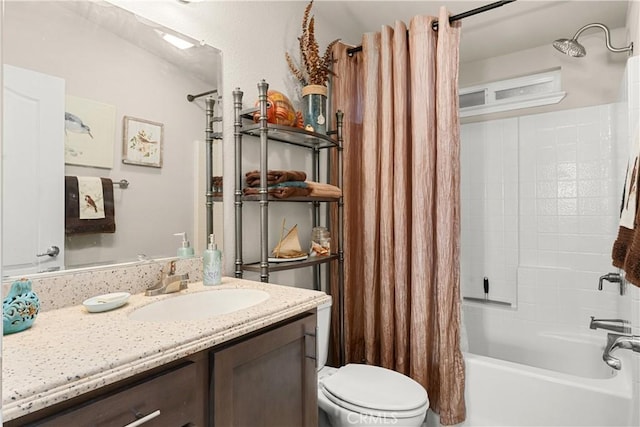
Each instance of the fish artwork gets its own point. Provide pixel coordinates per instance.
(73, 123)
(280, 111)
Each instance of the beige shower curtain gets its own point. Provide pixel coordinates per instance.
(402, 206)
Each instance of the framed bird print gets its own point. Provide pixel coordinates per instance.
(142, 142)
(89, 132)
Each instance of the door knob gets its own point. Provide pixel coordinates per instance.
(51, 251)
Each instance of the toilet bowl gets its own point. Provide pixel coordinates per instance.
(365, 395)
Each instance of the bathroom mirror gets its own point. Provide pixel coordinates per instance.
(117, 71)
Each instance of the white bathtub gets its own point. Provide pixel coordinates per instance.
(547, 379)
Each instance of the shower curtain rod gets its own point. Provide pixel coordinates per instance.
(452, 18)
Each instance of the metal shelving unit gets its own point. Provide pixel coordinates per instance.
(268, 134)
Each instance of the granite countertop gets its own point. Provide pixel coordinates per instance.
(69, 351)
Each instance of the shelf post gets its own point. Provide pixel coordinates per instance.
(237, 135)
(263, 88)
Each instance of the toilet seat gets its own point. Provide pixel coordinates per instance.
(365, 389)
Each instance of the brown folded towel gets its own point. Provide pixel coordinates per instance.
(319, 189)
(274, 177)
(72, 222)
(279, 192)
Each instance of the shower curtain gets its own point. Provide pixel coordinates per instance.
(401, 206)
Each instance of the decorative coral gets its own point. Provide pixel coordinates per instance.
(313, 69)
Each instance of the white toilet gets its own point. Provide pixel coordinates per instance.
(365, 395)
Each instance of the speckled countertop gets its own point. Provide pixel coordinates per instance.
(69, 351)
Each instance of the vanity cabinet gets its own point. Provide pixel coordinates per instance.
(173, 395)
(266, 378)
(269, 379)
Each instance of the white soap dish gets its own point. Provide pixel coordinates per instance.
(106, 302)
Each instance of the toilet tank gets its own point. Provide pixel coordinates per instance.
(323, 319)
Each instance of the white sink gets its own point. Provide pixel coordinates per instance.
(199, 305)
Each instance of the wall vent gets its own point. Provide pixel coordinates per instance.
(504, 95)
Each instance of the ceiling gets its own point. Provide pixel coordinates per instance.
(515, 26)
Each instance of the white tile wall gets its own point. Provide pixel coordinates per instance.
(489, 198)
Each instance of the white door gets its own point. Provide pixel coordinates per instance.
(32, 171)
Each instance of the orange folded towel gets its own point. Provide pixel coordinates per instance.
(319, 189)
(274, 177)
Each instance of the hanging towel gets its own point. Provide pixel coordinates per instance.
(77, 222)
(626, 248)
(90, 197)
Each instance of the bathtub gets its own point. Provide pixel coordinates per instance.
(546, 379)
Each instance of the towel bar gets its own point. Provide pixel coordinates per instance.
(123, 183)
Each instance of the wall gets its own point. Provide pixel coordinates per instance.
(633, 24)
(99, 65)
(253, 37)
(577, 73)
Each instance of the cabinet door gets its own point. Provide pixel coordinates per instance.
(169, 399)
(268, 380)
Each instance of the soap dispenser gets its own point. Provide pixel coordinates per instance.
(185, 250)
(212, 258)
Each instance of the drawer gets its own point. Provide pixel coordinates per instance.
(168, 399)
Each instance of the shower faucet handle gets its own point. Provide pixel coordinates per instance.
(612, 278)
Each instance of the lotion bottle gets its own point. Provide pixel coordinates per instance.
(212, 258)
(185, 250)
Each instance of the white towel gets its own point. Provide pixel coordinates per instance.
(91, 198)
(630, 196)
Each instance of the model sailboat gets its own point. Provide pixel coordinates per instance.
(288, 247)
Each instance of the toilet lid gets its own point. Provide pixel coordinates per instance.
(372, 389)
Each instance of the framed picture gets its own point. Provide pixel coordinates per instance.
(142, 142)
(90, 132)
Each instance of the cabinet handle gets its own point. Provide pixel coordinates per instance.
(144, 419)
(314, 336)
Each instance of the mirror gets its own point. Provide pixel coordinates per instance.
(115, 69)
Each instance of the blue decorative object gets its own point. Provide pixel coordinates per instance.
(20, 307)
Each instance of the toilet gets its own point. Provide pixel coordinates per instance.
(364, 395)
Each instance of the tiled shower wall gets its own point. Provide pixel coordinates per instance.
(565, 172)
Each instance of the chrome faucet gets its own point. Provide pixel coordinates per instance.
(614, 341)
(169, 281)
(612, 278)
(622, 326)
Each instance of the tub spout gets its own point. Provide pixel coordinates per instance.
(616, 325)
(615, 341)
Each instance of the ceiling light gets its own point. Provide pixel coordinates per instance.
(176, 41)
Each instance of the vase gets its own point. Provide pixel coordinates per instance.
(19, 308)
(314, 108)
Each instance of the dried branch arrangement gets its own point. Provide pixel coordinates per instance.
(313, 69)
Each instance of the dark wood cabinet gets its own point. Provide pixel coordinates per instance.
(269, 379)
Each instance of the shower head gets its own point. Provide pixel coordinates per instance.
(571, 46)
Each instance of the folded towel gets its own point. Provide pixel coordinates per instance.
(274, 177)
(319, 189)
(73, 224)
(279, 192)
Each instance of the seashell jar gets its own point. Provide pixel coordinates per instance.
(320, 242)
(20, 307)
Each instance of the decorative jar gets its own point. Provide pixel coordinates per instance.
(314, 108)
(20, 307)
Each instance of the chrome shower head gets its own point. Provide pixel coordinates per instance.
(571, 46)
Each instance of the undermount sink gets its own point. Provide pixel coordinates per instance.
(199, 305)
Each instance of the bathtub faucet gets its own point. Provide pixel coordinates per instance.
(614, 341)
(616, 325)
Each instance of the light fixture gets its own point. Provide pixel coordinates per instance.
(571, 46)
(176, 41)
